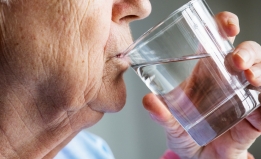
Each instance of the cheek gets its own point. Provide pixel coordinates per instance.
(95, 27)
(89, 40)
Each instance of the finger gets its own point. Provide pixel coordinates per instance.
(176, 135)
(247, 54)
(245, 132)
(236, 141)
(255, 119)
(253, 75)
(156, 107)
(161, 114)
(230, 24)
(247, 57)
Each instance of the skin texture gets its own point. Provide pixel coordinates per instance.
(234, 143)
(59, 73)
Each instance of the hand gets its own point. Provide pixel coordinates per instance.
(234, 143)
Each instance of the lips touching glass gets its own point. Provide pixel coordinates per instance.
(183, 60)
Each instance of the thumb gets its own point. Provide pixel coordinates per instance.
(161, 114)
(178, 139)
(159, 111)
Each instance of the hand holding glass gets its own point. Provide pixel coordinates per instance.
(183, 61)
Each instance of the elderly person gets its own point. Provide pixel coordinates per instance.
(60, 73)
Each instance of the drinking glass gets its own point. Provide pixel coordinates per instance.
(183, 60)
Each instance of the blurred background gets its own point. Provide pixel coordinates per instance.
(131, 133)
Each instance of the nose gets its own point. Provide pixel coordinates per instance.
(130, 10)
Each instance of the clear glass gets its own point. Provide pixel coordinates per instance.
(183, 61)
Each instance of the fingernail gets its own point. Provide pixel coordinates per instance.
(256, 73)
(232, 21)
(153, 116)
(243, 55)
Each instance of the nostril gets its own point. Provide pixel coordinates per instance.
(129, 18)
(130, 10)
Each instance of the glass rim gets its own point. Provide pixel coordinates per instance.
(144, 35)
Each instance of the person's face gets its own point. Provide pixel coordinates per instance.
(68, 48)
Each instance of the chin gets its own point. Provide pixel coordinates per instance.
(111, 99)
(119, 99)
(117, 103)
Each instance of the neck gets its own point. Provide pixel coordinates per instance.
(39, 110)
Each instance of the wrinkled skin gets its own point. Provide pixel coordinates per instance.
(234, 143)
(59, 73)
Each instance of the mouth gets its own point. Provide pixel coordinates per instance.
(121, 61)
(120, 55)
